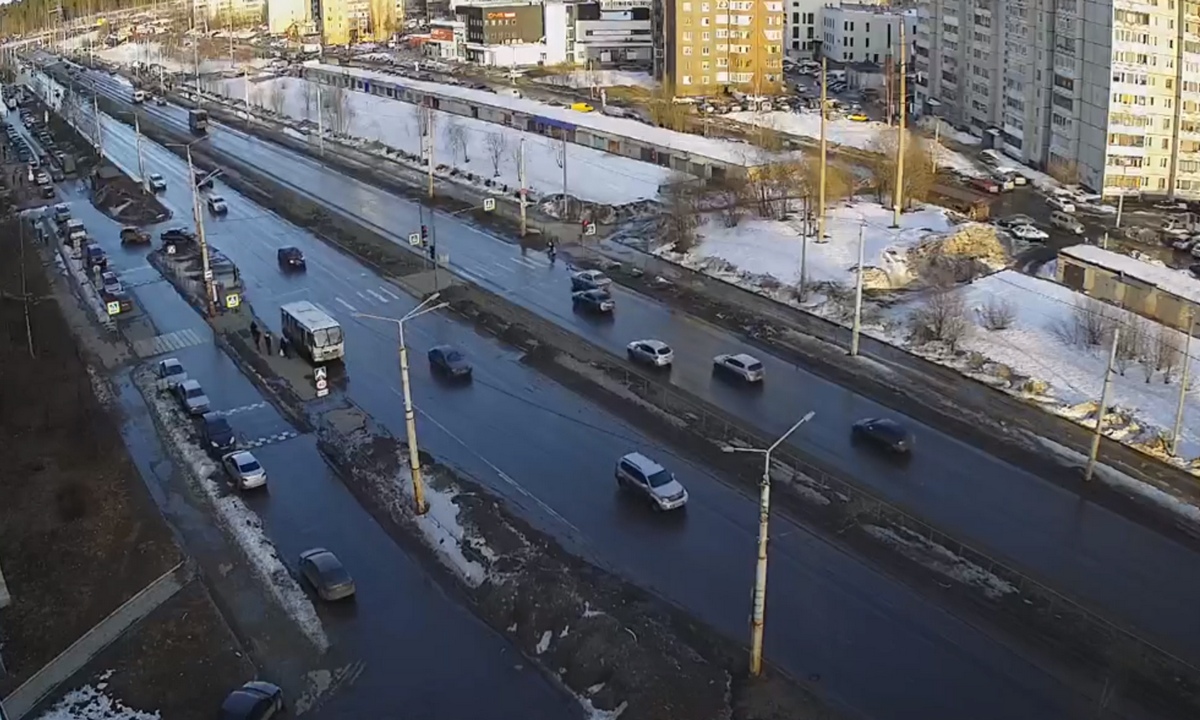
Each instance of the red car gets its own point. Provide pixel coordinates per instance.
(986, 185)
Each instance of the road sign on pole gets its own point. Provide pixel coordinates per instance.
(208, 274)
(489, 204)
(114, 308)
(414, 239)
(320, 375)
(232, 300)
(590, 230)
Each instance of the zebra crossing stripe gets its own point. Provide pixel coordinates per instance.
(167, 343)
(269, 439)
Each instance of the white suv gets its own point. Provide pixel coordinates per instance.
(637, 473)
(650, 352)
(744, 366)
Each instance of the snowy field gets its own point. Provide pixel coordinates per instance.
(1047, 354)
(581, 79)
(486, 149)
(758, 247)
(174, 59)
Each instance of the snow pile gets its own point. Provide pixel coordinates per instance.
(767, 253)
(91, 703)
(601, 78)
(939, 559)
(487, 150)
(242, 524)
(838, 130)
(1117, 479)
(1050, 345)
(947, 131)
(444, 533)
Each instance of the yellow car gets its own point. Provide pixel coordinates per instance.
(582, 107)
(858, 117)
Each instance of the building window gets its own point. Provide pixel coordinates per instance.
(704, 21)
(687, 50)
(687, 7)
(706, 36)
(687, 80)
(687, 36)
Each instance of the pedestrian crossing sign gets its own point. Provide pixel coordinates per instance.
(489, 204)
(232, 300)
(414, 239)
(114, 307)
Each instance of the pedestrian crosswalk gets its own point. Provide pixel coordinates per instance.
(166, 343)
(242, 409)
(268, 440)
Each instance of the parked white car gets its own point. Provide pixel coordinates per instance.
(171, 372)
(1066, 221)
(1060, 203)
(1029, 232)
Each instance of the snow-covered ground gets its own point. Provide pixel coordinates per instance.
(173, 59)
(242, 523)
(758, 247)
(601, 78)
(839, 130)
(92, 703)
(1047, 342)
(491, 150)
(947, 131)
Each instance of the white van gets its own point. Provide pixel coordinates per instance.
(1065, 221)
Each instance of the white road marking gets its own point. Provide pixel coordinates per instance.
(356, 292)
(345, 304)
(376, 295)
(389, 293)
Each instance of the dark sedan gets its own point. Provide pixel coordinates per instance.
(449, 362)
(326, 574)
(256, 700)
(883, 433)
(596, 301)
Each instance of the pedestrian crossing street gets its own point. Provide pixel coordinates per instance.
(242, 409)
(168, 342)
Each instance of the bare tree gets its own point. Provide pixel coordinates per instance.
(681, 216)
(943, 318)
(337, 109)
(728, 197)
(771, 187)
(310, 100)
(997, 313)
(1064, 171)
(456, 138)
(1168, 351)
(497, 143)
(276, 97)
(918, 174)
(1131, 344)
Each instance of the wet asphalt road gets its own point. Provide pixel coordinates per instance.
(424, 653)
(876, 647)
(1090, 552)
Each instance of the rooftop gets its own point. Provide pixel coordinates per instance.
(1173, 282)
(725, 151)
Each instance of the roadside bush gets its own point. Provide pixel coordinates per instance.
(943, 318)
(997, 314)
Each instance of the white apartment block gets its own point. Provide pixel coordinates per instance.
(1105, 90)
(801, 27)
(865, 33)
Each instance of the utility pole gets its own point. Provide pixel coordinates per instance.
(430, 142)
(1183, 385)
(1112, 357)
(521, 177)
(933, 151)
(758, 619)
(320, 121)
(903, 100)
(198, 218)
(858, 290)
(137, 129)
(824, 151)
(804, 250)
(96, 120)
(1120, 206)
(246, 94)
(564, 169)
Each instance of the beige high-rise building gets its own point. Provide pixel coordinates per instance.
(333, 21)
(707, 47)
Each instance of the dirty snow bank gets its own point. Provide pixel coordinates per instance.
(239, 521)
(92, 703)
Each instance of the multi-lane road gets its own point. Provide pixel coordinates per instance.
(1092, 553)
(876, 646)
(415, 643)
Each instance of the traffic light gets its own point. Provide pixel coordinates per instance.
(424, 233)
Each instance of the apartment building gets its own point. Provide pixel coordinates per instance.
(284, 15)
(801, 31)
(854, 32)
(706, 47)
(239, 13)
(341, 22)
(1103, 93)
(958, 59)
(610, 32)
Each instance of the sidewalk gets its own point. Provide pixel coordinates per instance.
(26, 697)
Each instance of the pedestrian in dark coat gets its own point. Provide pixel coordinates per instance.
(254, 333)
(267, 340)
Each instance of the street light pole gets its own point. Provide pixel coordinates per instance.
(198, 219)
(410, 418)
(758, 619)
(137, 129)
